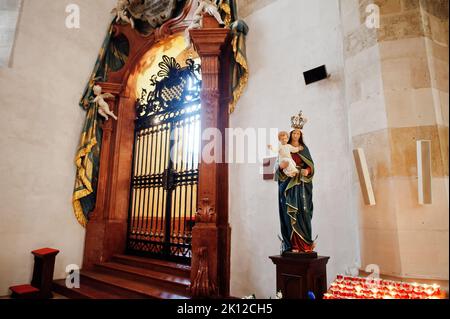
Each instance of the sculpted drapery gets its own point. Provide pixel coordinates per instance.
(239, 66)
(87, 159)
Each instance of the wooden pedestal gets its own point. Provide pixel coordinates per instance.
(297, 275)
(41, 284)
(44, 265)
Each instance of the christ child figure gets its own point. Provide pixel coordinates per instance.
(284, 154)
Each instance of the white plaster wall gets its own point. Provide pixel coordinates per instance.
(40, 123)
(287, 38)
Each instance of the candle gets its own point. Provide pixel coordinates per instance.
(348, 287)
(429, 292)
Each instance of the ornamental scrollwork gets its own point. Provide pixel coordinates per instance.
(174, 88)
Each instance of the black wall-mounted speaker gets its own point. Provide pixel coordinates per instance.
(315, 75)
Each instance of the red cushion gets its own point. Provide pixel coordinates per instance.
(23, 289)
(45, 251)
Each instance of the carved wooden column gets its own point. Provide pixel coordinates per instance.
(107, 228)
(211, 233)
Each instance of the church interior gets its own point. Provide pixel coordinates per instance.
(178, 149)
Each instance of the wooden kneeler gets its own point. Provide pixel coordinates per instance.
(41, 284)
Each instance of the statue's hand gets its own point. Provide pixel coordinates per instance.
(284, 165)
(304, 172)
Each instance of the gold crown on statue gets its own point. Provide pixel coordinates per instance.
(298, 121)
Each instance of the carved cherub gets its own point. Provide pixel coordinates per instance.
(121, 11)
(211, 7)
(204, 6)
(103, 107)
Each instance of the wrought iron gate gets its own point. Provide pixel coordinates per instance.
(163, 192)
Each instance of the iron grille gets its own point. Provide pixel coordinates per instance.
(163, 192)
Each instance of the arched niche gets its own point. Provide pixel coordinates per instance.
(173, 46)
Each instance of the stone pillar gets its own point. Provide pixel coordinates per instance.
(397, 93)
(211, 233)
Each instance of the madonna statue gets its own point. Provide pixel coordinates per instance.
(295, 195)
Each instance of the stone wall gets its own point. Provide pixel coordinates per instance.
(397, 93)
(9, 14)
(247, 7)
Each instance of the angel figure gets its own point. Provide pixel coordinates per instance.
(204, 6)
(121, 11)
(103, 107)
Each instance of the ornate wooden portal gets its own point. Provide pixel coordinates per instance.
(122, 218)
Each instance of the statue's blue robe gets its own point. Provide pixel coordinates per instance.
(295, 202)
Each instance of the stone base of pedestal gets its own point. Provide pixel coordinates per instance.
(297, 275)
